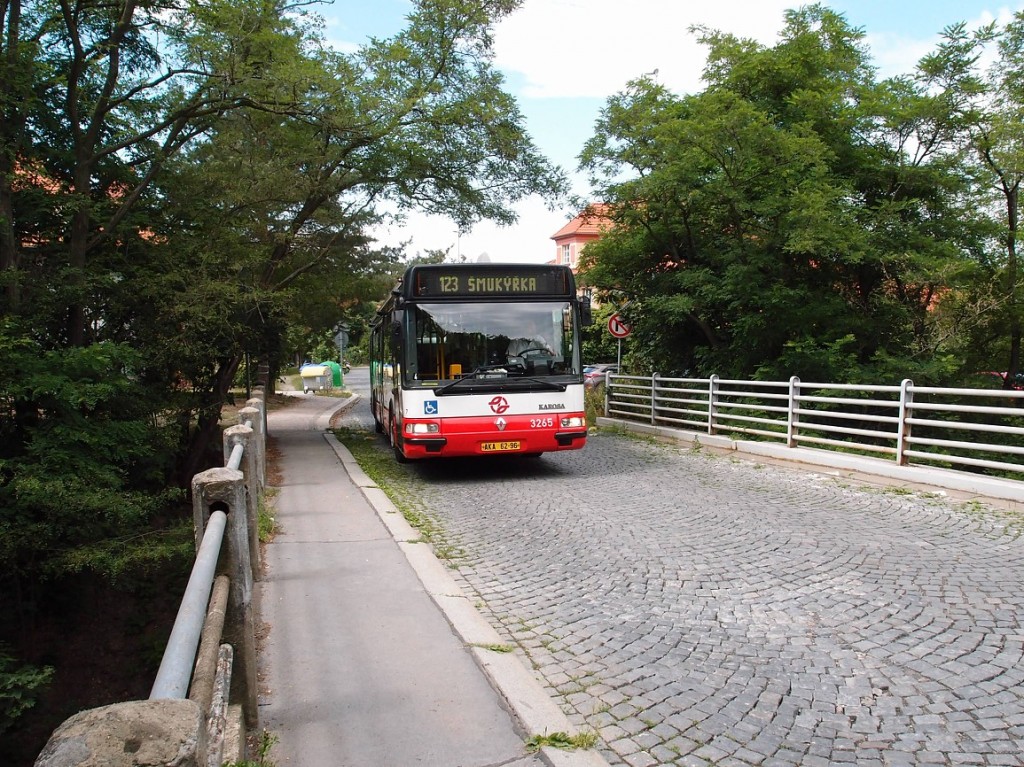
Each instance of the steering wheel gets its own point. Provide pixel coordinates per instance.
(535, 349)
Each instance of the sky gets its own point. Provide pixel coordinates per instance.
(562, 59)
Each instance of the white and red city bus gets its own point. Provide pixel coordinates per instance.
(479, 359)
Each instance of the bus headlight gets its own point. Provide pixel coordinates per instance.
(574, 422)
(421, 428)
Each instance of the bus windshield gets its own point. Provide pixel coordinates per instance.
(451, 341)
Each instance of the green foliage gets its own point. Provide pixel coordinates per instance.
(266, 522)
(139, 265)
(83, 462)
(20, 684)
(562, 740)
(593, 404)
(797, 217)
(976, 75)
(186, 188)
(598, 343)
(135, 554)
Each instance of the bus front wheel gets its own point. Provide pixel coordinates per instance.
(395, 447)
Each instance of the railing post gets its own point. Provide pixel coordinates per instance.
(255, 412)
(227, 487)
(712, 403)
(792, 417)
(244, 436)
(903, 431)
(654, 399)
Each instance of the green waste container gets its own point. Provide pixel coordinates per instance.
(336, 376)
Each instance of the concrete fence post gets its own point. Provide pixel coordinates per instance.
(244, 436)
(168, 731)
(255, 413)
(225, 488)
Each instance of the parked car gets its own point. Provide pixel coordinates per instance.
(594, 375)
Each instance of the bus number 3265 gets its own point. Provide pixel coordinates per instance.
(479, 359)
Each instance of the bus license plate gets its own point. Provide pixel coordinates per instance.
(497, 447)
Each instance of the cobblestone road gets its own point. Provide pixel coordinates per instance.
(696, 609)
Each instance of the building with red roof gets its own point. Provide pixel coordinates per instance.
(588, 226)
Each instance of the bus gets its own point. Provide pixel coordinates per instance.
(479, 359)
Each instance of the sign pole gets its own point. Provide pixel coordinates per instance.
(619, 328)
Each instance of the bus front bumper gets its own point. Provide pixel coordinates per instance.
(469, 437)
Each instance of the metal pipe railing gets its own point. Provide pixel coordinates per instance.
(175, 673)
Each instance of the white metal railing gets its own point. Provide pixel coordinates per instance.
(982, 429)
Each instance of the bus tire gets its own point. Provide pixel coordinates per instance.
(378, 427)
(395, 447)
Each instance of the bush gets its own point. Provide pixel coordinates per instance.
(593, 404)
(19, 688)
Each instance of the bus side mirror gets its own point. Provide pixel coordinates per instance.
(585, 315)
(396, 332)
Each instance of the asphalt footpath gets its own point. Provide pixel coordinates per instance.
(370, 654)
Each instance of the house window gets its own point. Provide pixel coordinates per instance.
(565, 254)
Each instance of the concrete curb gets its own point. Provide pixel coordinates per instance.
(529, 703)
(323, 423)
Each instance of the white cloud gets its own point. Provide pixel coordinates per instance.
(592, 48)
(895, 53)
(529, 241)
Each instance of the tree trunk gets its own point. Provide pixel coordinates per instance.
(12, 122)
(1013, 307)
(9, 245)
(208, 427)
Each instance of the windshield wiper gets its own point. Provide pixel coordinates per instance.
(544, 382)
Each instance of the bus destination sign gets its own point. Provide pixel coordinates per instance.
(458, 283)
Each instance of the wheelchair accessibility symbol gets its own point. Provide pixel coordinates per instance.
(430, 407)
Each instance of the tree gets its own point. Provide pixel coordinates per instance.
(420, 121)
(181, 184)
(183, 181)
(987, 107)
(793, 218)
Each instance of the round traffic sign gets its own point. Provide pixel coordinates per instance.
(618, 327)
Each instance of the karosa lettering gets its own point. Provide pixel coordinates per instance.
(551, 406)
